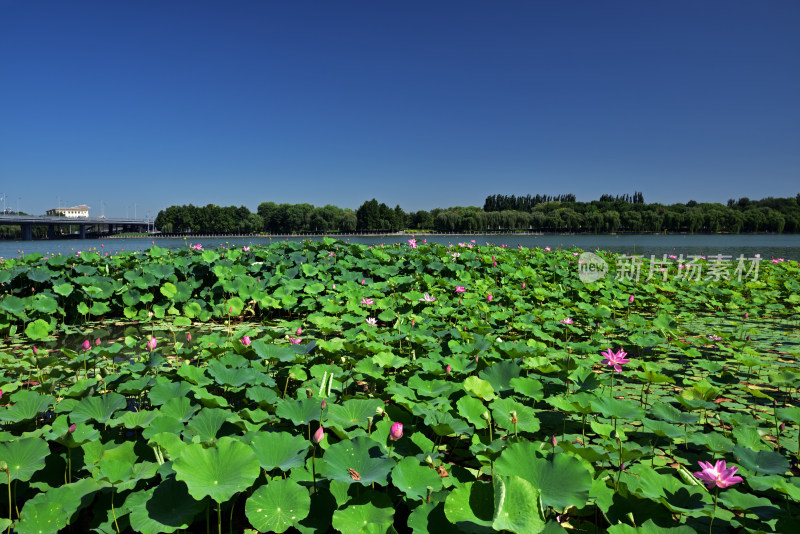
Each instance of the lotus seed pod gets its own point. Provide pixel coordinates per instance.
(378, 411)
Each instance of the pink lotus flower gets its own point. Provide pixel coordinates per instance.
(299, 331)
(630, 299)
(568, 320)
(367, 302)
(372, 321)
(523, 285)
(719, 474)
(72, 428)
(87, 345)
(412, 243)
(460, 289)
(396, 432)
(189, 336)
(617, 360)
(295, 340)
(427, 298)
(363, 281)
(319, 435)
(35, 351)
(152, 343)
(246, 341)
(489, 297)
(448, 369)
(97, 342)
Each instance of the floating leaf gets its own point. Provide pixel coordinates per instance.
(279, 505)
(218, 472)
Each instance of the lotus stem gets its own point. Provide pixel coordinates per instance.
(10, 515)
(219, 518)
(113, 512)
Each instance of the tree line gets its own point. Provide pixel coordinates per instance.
(538, 213)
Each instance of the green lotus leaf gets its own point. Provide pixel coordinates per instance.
(562, 480)
(218, 472)
(24, 457)
(479, 387)
(41, 518)
(269, 351)
(415, 479)
(300, 412)
(98, 409)
(358, 460)
(280, 450)
(517, 506)
(502, 414)
(353, 412)
(766, 462)
(500, 374)
(279, 505)
(206, 423)
(45, 304)
(373, 513)
(164, 508)
(749, 503)
(168, 290)
(163, 423)
(163, 392)
(617, 409)
(180, 408)
(470, 507)
(649, 527)
(64, 289)
(27, 405)
(472, 410)
(529, 387)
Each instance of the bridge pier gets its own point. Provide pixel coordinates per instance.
(51, 231)
(82, 230)
(27, 231)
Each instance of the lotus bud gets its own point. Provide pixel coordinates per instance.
(189, 337)
(323, 405)
(553, 441)
(246, 341)
(523, 285)
(35, 351)
(72, 428)
(318, 436)
(299, 331)
(97, 342)
(152, 343)
(630, 299)
(87, 345)
(379, 411)
(489, 297)
(448, 369)
(782, 427)
(745, 315)
(396, 432)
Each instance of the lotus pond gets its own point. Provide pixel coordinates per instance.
(332, 387)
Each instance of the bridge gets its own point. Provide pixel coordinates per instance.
(59, 227)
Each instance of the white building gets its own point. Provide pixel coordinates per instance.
(75, 212)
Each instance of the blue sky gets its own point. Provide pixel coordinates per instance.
(422, 104)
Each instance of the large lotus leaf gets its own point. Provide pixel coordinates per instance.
(64, 289)
(563, 480)
(262, 395)
(517, 507)
(163, 392)
(42, 517)
(27, 405)
(207, 422)
(179, 408)
(714, 442)
(415, 479)
(526, 417)
(300, 412)
(38, 329)
(648, 527)
(353, 412)
(69, 497)
(470, 507)
(479, 387)
(357, 460)
(766, 462)
(220, 471)
(195, 375)
(749, 503)
(667, 412)
(372, 513)
(500, 374)
(279, 450)
(99, 408)
(528, 386)
(269, 351)
(279, 505)
(133, 420)
(164, 508)
(472, 410)
(23, 457)
(433, 388)
(616, 408)
(163, 423)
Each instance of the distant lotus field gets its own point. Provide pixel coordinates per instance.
(323, 386)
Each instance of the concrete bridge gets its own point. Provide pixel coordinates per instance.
(58, 227)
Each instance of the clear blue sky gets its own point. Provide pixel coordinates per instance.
(419, 103)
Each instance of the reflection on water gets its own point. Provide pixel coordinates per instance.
(768, 246)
